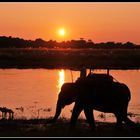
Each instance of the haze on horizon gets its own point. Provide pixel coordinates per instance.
(98, 21)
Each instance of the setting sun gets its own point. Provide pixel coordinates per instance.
(61, 32)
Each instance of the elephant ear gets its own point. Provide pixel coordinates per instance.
(68, 94)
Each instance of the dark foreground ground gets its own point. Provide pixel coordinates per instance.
(38, 128)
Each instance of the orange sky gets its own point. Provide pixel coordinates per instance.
(99, 21)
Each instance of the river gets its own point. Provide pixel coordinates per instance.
(33, 93)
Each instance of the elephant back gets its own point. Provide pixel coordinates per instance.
(96, 79)
(102, 87)
(100, 78)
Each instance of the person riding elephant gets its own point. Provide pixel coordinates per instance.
(111, 97)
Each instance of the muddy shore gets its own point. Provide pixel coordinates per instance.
(39, 128)
(70, 58)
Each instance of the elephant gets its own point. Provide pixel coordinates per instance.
(98, 92)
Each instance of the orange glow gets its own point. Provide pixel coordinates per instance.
(98, 21)
(61, 80)
(61, 32)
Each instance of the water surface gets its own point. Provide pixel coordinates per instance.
(33, 93)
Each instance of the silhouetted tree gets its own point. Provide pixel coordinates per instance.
(15, 42)
(40, 43)
(129, 45)
(52, 44)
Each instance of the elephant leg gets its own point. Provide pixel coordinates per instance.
(2, 115)
(122, 116)
(5, 115)
(129, 122)
(10, 116)
(119, 118)
(75, 113)
(90, 117)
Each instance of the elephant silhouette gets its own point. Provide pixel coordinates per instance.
(5, 111)
(96, 92)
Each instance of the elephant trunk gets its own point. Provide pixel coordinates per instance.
(57, 113)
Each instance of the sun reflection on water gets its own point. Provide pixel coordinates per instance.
(61, 79)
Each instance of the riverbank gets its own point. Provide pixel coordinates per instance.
(39, 128)
(70, 58)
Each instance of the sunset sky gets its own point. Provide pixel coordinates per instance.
(98, 21)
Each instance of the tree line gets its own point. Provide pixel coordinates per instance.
(15, 42)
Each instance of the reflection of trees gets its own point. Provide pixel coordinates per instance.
(11, 42)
